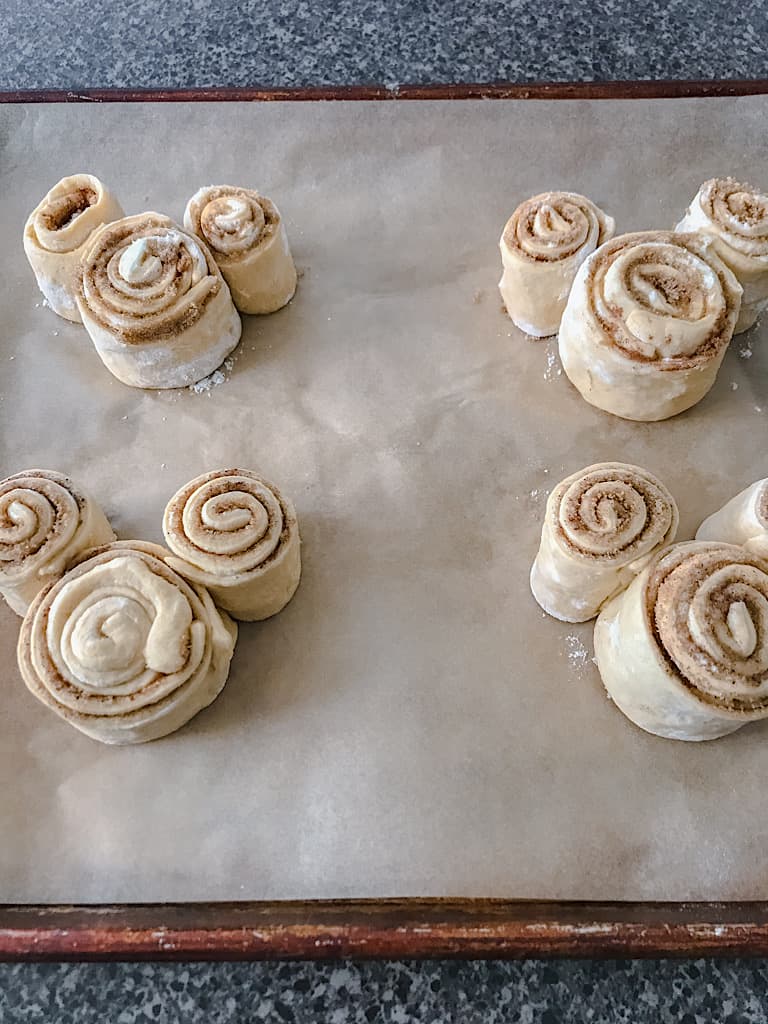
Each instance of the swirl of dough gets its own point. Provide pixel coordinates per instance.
(742, 520)
(155, 304)
(542, 246)
(234, 220)
(555, 225)
(735, 215)
(123, 648)
(647, 324)
(45, 523)
(247, 237)
(236, 534)
(684, 650)
(57, 232)
(601, 526)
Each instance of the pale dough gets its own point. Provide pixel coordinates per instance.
(543, 244)
(601, 526)
(743, 520)
(647, 324)
(736, 217)
(155, 304)
(236, 534)
(247, 237)
(57, 233)
(123, 648)
(46, 522)
(683, 651)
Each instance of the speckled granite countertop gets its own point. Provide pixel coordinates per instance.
(529, 992)
(292, 43)
(302, 42)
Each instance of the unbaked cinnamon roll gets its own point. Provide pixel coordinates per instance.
(155, 304)
(743, 520)
(57, 233)
(601, 527)
(123, 648)
(647, 324)
(247, 237)
(543, 244)
(736, 217)
(237, 535)
(683, 652)
(46, 522)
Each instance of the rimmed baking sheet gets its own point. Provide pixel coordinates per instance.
(411, 725)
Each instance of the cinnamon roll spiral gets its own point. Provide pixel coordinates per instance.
(46, 522)
(57, 233)
(155, 304)
(735, 216)
(543, 244)
(601, 527)
(247, 237)
(647, 324)
(123, 648)
(683, 652)
(238, 535)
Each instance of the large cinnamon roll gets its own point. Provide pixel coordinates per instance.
(155, 304)
(601, 527)
(46, 522)
(743, 520)
(647, 324)
(543, 244)
(237, 535)
(683, 652)
(57, 233)
(247, 237)
(736, 217)
(123, 648)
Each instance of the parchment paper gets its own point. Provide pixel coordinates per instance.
(411, 724)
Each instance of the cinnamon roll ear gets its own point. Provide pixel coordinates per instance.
(123, 648)
(743, 520)
(57, 233)
(736, 217)
(683, 652)
(601, 526)
(237, 535)
(46, 522)
(155, 304)
(544, 243)
(647, 324)
(247, 237)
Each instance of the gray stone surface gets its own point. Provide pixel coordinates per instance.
(77, 45)
(100, 43)
(529, 992)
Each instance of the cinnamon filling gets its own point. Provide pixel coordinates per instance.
(180, 313)
(666, 617)
(676, 288)
(657, 522)
(62, 211)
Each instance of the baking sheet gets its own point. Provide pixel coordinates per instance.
(411, 724)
